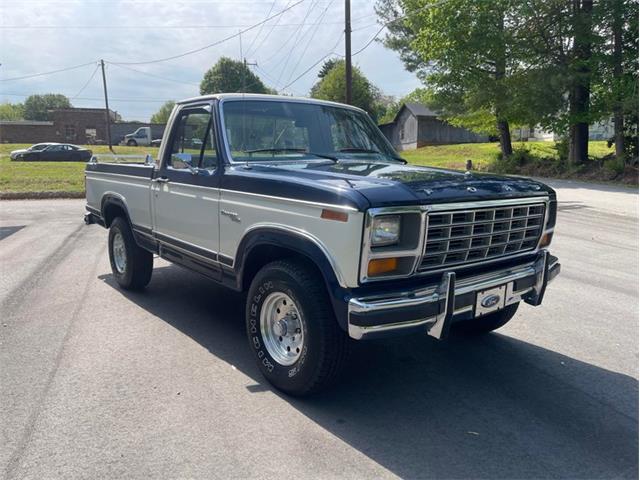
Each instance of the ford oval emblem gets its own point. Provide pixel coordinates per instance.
(471, 189)
(490, 301)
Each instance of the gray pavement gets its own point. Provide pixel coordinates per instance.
(97, 383)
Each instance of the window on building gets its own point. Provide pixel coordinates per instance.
(402, 133)
(70, 131)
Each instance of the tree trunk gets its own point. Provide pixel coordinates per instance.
(618, 117)
(505, 138)
(580, 92)
(501, 122)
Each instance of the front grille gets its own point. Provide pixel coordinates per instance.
(466, 236)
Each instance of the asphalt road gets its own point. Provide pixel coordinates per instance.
(97, 383)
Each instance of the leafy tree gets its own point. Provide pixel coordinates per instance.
(11, 111)
(229, 76)
(468, 53)
(37, 107)
(162, 115)
(332, 86)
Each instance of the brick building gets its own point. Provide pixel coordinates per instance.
(67, 125)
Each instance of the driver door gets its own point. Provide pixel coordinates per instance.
(185, 190)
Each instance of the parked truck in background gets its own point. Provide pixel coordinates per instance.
(306, 207)
(142, 136)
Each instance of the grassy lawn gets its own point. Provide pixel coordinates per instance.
(23, 177)
(483, 154)
(68, 177)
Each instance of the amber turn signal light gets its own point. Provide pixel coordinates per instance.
(545, 241)
(334, 215)
(379, 266)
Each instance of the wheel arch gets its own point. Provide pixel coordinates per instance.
(263, 245)
(113, 205)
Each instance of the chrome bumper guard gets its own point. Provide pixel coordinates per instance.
(434, 307)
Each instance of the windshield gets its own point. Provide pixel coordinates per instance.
(38, 147)
(259, 131)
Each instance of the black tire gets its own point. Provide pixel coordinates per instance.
(132, 143)
(136, 273)
(487, 323)
(325, 346)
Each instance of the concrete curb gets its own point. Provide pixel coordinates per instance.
(39, 195)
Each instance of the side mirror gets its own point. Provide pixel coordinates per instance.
(187, 160)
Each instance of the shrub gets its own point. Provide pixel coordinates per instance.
(614, 165)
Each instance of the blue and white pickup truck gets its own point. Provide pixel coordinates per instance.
(306, 207)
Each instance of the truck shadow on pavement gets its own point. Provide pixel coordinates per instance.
(493, 407)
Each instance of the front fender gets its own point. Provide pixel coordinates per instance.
(304, 244)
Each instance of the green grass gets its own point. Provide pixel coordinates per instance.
(68, 177)
(484, 154)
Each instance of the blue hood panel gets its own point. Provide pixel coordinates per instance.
(365, 184)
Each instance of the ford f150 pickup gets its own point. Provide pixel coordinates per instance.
(306, 207)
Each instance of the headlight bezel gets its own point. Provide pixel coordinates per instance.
(407, 249)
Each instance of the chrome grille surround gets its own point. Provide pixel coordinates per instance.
(461, 236)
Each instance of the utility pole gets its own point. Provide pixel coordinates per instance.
(347, 50)
(106, 106)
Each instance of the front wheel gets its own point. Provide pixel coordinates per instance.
(487, 323)
(131, 265)
(292, 330)
(132, 143)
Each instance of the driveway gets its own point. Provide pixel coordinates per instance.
(97, 383)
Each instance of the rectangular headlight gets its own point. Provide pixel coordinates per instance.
(385, 230)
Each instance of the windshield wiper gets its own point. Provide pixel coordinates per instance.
(368, 150)
(295, 150)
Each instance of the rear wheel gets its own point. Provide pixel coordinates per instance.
(292, 330)
(131, 265)
(487, 323)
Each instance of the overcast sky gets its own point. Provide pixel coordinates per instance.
(44, 35)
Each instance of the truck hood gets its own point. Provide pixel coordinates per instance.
(386, 184)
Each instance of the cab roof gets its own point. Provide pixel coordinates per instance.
(260, 96)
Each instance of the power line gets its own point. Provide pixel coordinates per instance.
(261, 28)
(86, 84)
(134, 100)
(316, 63)
(146, 27)
(167, 79)
(313, 34)
(275, 24)
(66, 69)
(230, 37)
(425, 7)
(297, 35)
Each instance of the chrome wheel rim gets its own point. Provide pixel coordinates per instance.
(281, 328)
(119, 253)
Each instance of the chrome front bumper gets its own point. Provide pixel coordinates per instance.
(434, 308)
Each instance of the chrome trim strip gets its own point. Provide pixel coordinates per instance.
(487, 203)
(91, 173)
(290, 200)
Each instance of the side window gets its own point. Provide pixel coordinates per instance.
(193, 144)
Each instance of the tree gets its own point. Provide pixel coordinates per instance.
(230, 76)
(466, 51)
(615, 88)
(37, 107)
(332, 86)
(11, 111)
(162, 115)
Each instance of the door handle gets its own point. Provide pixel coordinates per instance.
(161, 180)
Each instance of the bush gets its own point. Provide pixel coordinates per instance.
(516, 162)
(614, 165)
